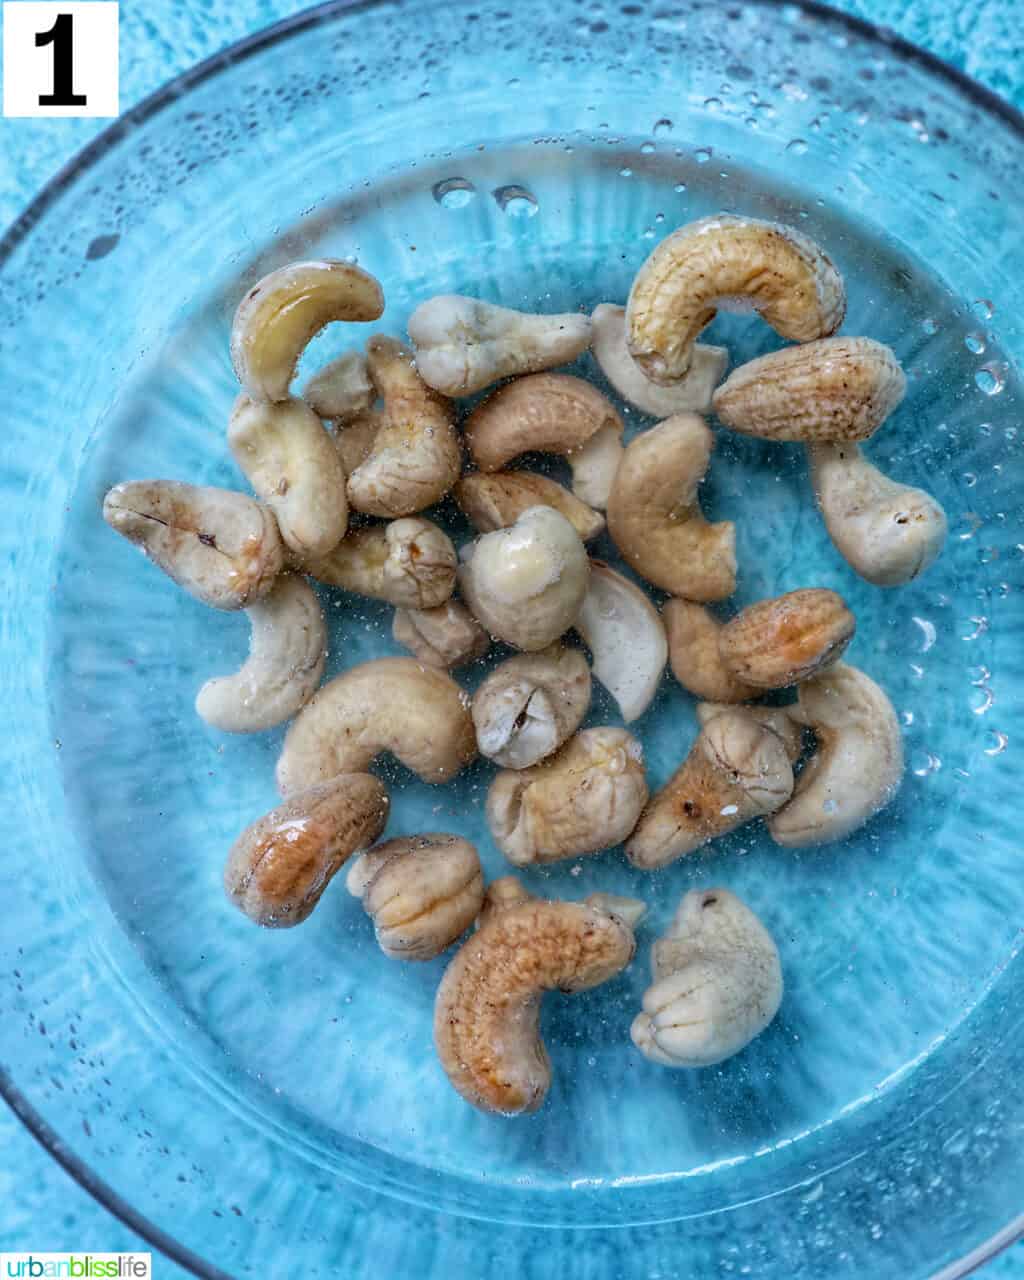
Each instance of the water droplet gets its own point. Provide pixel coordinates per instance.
(454, 193)
(980, 627)
(798, 147)
(702, 155)
(999, 744)
(647, 148)
(970, 479)
(712, 104)
(516, 201)
(973, 522)
(983, 308)
(991, 378)
(815, 1193)
(659, 217)
(679, 187)
(729, 810)
(648, 233)
(929, 325)
(663, 125)
(975, 343)
(927, 633)
(908, 718)
(982, 700)
(987, 554)
(625, 173)
(923, 763)
(979, 676)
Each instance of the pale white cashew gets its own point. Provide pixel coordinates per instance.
(463, 345)
(222, 547)
(286, 660)
(776, 643)
(778, 719)
(717, 983)
(730, 263)
(594, 465)
(411, 563)
(654, 517)
(354, 437)
(497, 499)
(889, 533)
(857, 767)
(342, 390)
(626, 638)
(530, 705)
(417, 713)
(280, 315)
(446, 636)
(693, 632)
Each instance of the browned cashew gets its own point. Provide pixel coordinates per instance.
(693, 632)
(446, 636)
(497, 500)
(775, 643)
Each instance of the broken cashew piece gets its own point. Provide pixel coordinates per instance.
(626, 639)
(776, 643)
(446, 636)
(278, 317)
(463, 345)
(279, 867)
(857, 767)
(654, 517)
(220, 546)
(888, 533)
(778, 719)
(410, 563)
(735, 264)
(497, 500)
(693, 632)
(717, 983)
(530, 705)
(285, 664)
(342, 390)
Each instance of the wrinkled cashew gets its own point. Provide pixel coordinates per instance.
(276, 319)
(717, 983)
(486, 1014)
(889, 533)
(857, 767)
(735, 264)
(778, 719)
(417, 713)
(354, 438)
(693, 632)
(585, 799)
(736, 770)
(286, 660)
(410, 563)
(497, 500)
(654, 517)
(690, 394)
(506, 891)
(625, 636)
(422, 892)
(530, 705)
(342, 390)
(775, 643)
(463, 345)
(222, 547)
(525, 584)
(446, 636)
(279, 867)
(835, 389)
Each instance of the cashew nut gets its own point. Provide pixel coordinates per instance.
(857, 767)
(506, 891)
(286, 661)
(221, 547)
(446, 636)
(736, 770)
(690, 394)
(497, 500)
(629, 910)
(693, 632)
(889, 533)
(463, 345)
(280, 315)
(550, 413)
(279, 867)
(487, 1009)
(775, 643)
(654, 518)
(342, 390)
(525, 584)
(585, 799)
(625, 636)
(410, 563)
(530, 705)
(354, 437)
(778, 719)
(717, 983)
(734, 264)
(835, 389)
(422, 892)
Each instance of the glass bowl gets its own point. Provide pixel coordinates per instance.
(245, 1098)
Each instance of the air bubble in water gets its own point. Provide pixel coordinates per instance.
(453, 193)
(991, 378)
(702, 155)
(975, 343)
(983, 308)
(679, 187)
(983, 700)
(927, 633)
(929, 326)
(625, 173)
(516, 201)
(999, 744)
(924, 763)
(712, 104)
(647, 148)
(797, 147)
(662, 126)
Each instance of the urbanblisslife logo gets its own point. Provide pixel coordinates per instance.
(76, 1266)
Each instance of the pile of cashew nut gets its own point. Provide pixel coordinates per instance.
(341, 476)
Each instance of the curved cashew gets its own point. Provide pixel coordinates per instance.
(446, 636)
(279, 867)
(690, 394)
(354, 437)
(693, 632)
(342, 390)
(736, 770)
(277, 318)
(497, 500)
(525, 584)
(889, 533)
(486, 1014)
(857, 767)
(286, 661)
(778, 719)
(417, 713)
(625, 636)
(410, 563)
(775, 643)
(735, 264)
(530, 705)
(717, 983)
(835, 389)
(222, 547)
(463, 345)
(654, 518)
(585, 799)
(550, 413)
(422, 892)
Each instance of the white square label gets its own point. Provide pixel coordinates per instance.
(60, 59)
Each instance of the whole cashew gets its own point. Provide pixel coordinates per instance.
(530, 705)
(654, 518)
(778, 719)
(417, 713)
(285, 664)
(410, 563)
(342, 390)
(463, 345)
(280, 315)
(279, 867)
(717, 983)
(446, 636)
(889, 533)
(221, 547)
(497, 500)
(857, 768)
(776, 643)
(693, 633)
(730, 263)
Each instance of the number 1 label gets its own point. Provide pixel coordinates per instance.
(60, 59)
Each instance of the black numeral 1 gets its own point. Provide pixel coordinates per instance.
(62, 36)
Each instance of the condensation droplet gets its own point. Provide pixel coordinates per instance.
(454, 193)
(983, 308)
(929, 325)
(983, 700)
(970, 479)
(625, 173)
(798, 147)
(659, 217)
(663, 125)
(999, 744)
(712, 104)
(908, 718)
(923, 763)
(927, 633)
(980, 627)
(679, 187)
(647, 148)
(516, 201)
(991, 378)
(987, 554)
(975, 343)
(702, 155)
(973, 522)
